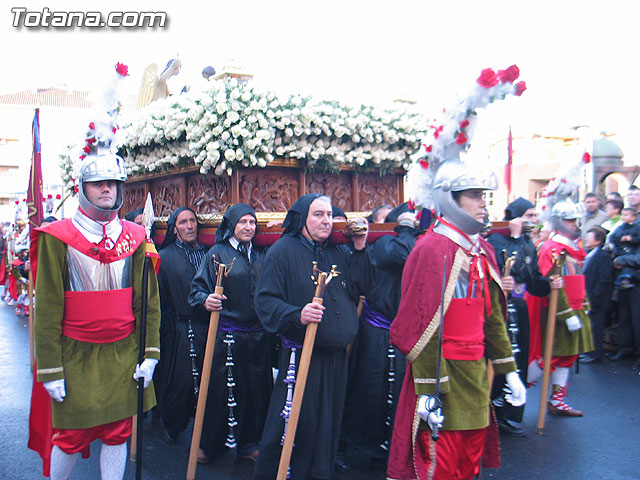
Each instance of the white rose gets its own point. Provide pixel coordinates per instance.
(229, 155)
(239, 154)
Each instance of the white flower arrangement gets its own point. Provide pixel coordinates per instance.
(233, 124)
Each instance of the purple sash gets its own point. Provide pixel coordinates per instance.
(226, 324)
(286, 343)
(374, 318)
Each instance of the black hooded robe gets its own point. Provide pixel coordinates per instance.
(251, 370)
(367, 407)
(176, 381)
(524, 271)
(284, 287)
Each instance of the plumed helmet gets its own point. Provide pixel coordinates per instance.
(99, 160)
(99, 166)
(437, 170)
(455, 176)
(565, 210)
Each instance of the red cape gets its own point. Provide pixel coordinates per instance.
(417, 320)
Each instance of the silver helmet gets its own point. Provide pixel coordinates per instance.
(99, 166)
(565, 210)
(455, 176)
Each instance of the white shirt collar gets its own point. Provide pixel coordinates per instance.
(95, 231)
(235, 243)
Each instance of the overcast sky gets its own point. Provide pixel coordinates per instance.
(578, 58)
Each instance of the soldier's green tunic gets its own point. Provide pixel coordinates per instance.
(98, 376)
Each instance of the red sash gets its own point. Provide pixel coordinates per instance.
(463, 330)
(98, 317)
(575, 289)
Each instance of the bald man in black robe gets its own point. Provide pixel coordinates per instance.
(284, 304)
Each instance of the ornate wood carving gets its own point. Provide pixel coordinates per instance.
(209, 194)
(167, 195)
(335, 186)
(375, 190)
(133, 196)
(268, 190)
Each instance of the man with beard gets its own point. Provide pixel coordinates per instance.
(181, 335)
(376, 368)
(241, 380)
(284, 305)
(524, 277)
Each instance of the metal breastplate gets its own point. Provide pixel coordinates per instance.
(89, 275)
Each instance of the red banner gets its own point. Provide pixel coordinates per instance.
(507, 168)
(34, 193)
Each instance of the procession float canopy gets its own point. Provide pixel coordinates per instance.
(235, 142)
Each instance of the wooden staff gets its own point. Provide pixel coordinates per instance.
(32, 357)
(548, 345)
(508, 263)
(204, 379)
(322, 279)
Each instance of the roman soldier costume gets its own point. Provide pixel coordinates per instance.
(89, 285)
(573, 327)
(446, 385)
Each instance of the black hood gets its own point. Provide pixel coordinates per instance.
(297, 215)
(171, 237)
(517, 208)
(231, 218)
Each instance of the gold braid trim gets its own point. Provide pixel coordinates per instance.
(152, 349)
(45, 371)
(498, 361)
(430, 380)
(458, 261)
(564, 311)
(414, 436)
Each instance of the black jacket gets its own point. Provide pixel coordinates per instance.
(598, 274)
(525, 268)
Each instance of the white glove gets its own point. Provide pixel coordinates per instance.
(518, 393)
(145, 370)
(55, 388)
(430, 412)
(573, 323)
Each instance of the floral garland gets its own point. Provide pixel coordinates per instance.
(231, 124)
(452, 136)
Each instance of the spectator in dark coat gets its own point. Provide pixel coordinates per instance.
(598, 272)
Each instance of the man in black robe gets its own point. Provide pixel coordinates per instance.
(241, 380)
(525, 277)
(177, 373)
(284, 304)
(376, 368)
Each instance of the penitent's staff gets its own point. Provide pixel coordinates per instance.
(558, 261)
(206, 375)
(321, 279)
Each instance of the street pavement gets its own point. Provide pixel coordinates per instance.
(603, 445)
